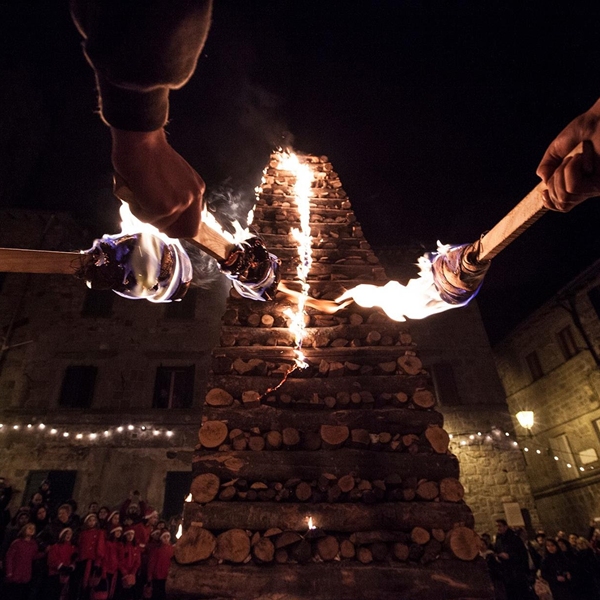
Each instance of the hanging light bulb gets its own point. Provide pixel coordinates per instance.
(525, 418)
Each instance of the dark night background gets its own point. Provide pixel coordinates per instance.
(435, 114)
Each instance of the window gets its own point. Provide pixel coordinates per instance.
(78, 387)
(185, 309)
(444, 383)
(594, 297)
(174, 387)
(177, 487)
(566, 460)
(534, 366)
(566, 342)
(98, 303)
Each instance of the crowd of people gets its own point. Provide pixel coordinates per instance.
(565, 567)
(57, 554)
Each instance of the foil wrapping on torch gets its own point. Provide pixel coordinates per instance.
(458, 274)
(253, 270)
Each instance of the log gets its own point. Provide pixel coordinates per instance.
(360, 438)
(227, 494)
(361, 538)
(336, 369)
(264, 550)
(205, 487)
(438, 534)
(346, 483)
(410, 364)
(253, 320)
(420, 535)
(438, 438)
(212, 434)
(364, 555)
(447, 579)
(405, 338)
(401, 551)
(387, 368)
(328, 548)
(266, 321)
(195, 544)
(287, 538)
(347, 549)
(291, 437)
(451, 490)
(303, 491)
(342, 517)
(329, 401)
(423, 399)
(373, 338)
(463, 542)
(356, 319)
(232, 545)
(334, 436)
(281, 556)
(240, 443)
(428, 490)
(256, 443)
(218, 397)
(250, 398)
(281, 466)
(274, 440)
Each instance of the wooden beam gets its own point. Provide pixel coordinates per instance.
(449, 579)
(336, 517)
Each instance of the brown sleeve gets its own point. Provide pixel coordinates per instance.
(141, 49)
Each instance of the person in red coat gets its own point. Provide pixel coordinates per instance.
(110, 562)
(19, 561)
(90, 551)
(158, 566)
(130, 561)
(61, 563)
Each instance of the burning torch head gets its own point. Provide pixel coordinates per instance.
(137, 266)
(253, 270)
(458, 274)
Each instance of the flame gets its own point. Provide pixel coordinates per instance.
(145, 262)
(188, 498)
(179, 531)
(239, 235)
(311, 524)
(418, 299)
(288, 161)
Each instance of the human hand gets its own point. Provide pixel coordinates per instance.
(166, 191)
(571, 180)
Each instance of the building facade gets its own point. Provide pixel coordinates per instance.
(550, 365)
(97, 393)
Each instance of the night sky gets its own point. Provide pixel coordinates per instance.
(435, 115)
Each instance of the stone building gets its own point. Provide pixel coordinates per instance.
(549, 365)
(455, 349)
(98, 393)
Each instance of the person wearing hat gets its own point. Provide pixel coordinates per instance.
(130, 561)
(90, 550)
(114, 520)
(158, 566)
(61, 563)
(110, 562)
(19, 563)
(12, 531)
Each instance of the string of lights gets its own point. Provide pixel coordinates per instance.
(504, 440)
(73, 432)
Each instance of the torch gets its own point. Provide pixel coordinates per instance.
(141, 262)
(452, 277)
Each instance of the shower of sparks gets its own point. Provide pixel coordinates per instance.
(302, 188)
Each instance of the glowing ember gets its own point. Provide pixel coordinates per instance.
(302, 187)
(418, 299)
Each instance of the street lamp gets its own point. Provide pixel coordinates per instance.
(525, 418)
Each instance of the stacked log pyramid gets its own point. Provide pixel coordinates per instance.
(352, 442)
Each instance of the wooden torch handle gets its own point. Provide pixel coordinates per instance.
(17, 260)
(520, 218)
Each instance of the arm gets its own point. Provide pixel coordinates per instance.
(139, 52)
(572, 180)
